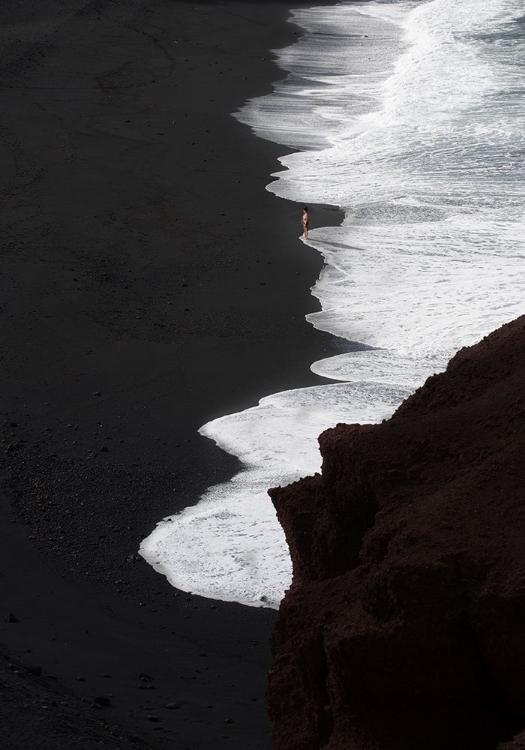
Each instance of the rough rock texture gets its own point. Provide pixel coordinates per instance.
(404, 627)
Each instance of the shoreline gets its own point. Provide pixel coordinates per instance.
(132, 279)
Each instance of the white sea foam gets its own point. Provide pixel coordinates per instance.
(230, 546)
(410, 116)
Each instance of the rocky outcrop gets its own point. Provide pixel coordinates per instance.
(404, 627)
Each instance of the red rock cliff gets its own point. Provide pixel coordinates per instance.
(404, 627)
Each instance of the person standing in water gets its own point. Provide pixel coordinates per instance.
(304, 222)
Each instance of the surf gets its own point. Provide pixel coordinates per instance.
(409, 116)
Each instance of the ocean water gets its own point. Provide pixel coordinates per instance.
(411, 117)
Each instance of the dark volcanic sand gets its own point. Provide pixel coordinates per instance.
(149, 284)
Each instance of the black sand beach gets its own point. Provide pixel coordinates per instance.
(149, 284)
